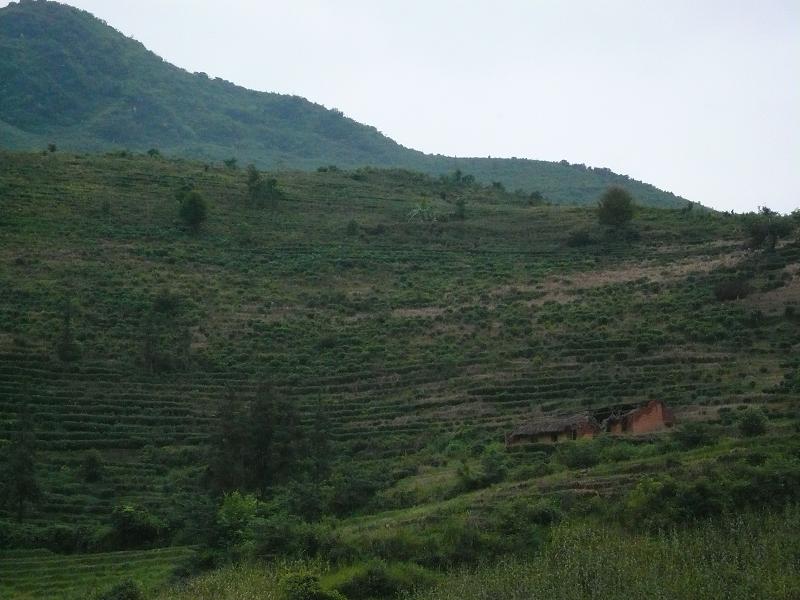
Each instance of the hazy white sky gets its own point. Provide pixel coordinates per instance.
(700, 97)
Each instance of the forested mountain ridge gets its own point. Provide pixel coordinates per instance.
(69, 79)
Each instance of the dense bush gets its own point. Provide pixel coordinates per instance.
(752, 422)
(376, 580)
(493, 468)
(694, 435)
(127, 590)
(731, 290)
(579, 454)
(304, 586)
(766, 227)
(662, 502)
(579, 238)
(135, 527)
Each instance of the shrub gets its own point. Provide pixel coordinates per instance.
(617, 451)
(536, 199)
(694, 435)
(305, 586)
(520, 514)
(580, 454)
(64, 539)
(377, 579)
(134, 527)
(234, 518)
(767, 227)
(127, 590)
(281, 534)
(752, 422)
(166, 302)
(731, 290)
(493, 464)
(579, 238)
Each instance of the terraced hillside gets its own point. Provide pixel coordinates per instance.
(418, 329)
(41, 574)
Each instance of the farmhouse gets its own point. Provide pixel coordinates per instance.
(653, 416)
(554, 429)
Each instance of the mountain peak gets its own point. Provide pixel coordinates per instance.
(69, 78)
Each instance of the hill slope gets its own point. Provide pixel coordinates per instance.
(412, 332)
(425, 340)
(70, 79)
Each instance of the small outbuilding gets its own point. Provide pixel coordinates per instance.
(554, 429)
(653, 416)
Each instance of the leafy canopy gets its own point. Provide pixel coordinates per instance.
(615, 208)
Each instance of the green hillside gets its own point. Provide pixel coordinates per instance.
(411, 322)
(68, 78)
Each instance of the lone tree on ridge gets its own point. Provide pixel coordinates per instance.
(615, 208)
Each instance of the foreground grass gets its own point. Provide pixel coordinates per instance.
(743, 556)
(239, 582)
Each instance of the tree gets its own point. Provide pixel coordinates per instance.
(67, 348)
(274, 441)
(319, 445)
(92, 466)
(193, 211)
(461, 209)
(227, 446)
(261, 190)
(231, 163)
(253, 182)
(234, 518)
(766, 227)
(255, 449)
(166, 341)
(615, 208)
(20, 484)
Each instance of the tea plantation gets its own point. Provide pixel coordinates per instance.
(424, 317)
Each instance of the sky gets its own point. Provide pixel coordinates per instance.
(699, 97)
